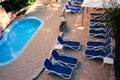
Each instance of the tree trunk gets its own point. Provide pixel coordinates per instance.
(117, 54)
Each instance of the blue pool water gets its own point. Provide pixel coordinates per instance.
(15, 38)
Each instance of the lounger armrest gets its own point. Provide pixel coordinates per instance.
(98, 29)
(101, 34)
(100, 40)
(99, 48)
(67, 40)
(97, 23)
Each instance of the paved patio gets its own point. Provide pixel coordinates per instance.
(30, 63)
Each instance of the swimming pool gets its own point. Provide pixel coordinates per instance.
(16, 37)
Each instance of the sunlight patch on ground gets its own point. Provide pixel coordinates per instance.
(50, 10)
(78, 21)
(54, 4)
(32, 8)
(78, 18)
(80, 28)
(73, 30)
(55, 9)
(77, 25)
(39, 5)
(52, 7)
(48, 30)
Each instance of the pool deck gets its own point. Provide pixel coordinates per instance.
(30, 63)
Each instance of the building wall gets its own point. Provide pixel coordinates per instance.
(5, 19)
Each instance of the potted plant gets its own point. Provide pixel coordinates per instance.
(112, 15)
(62, 26)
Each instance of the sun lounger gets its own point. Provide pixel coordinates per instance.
(96, 14)
(99, 28)
(72, 9)
(71, 44)
(90, 54)
(64, 72)
(75, 6)
(100, 44)
(102, 33)
(98, 24)
(97, 21)
(65, 60)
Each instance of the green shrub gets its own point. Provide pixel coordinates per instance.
(112, 14)
(19, 4)
(62, 26)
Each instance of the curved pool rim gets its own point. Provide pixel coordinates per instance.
(5, 32)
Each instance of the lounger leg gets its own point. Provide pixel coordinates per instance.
(47, 72)
(107, 60)
(103, 64)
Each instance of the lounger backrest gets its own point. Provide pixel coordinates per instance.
(78, 1)
(60, 40)
(107, 31)
(48, 64)
(55, 55)
(108, 52)
(108, 41)
(67, 7)
(69, 3)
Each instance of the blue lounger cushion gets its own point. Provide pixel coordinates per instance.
(93, 20)
(96, 14)
(71, 44)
